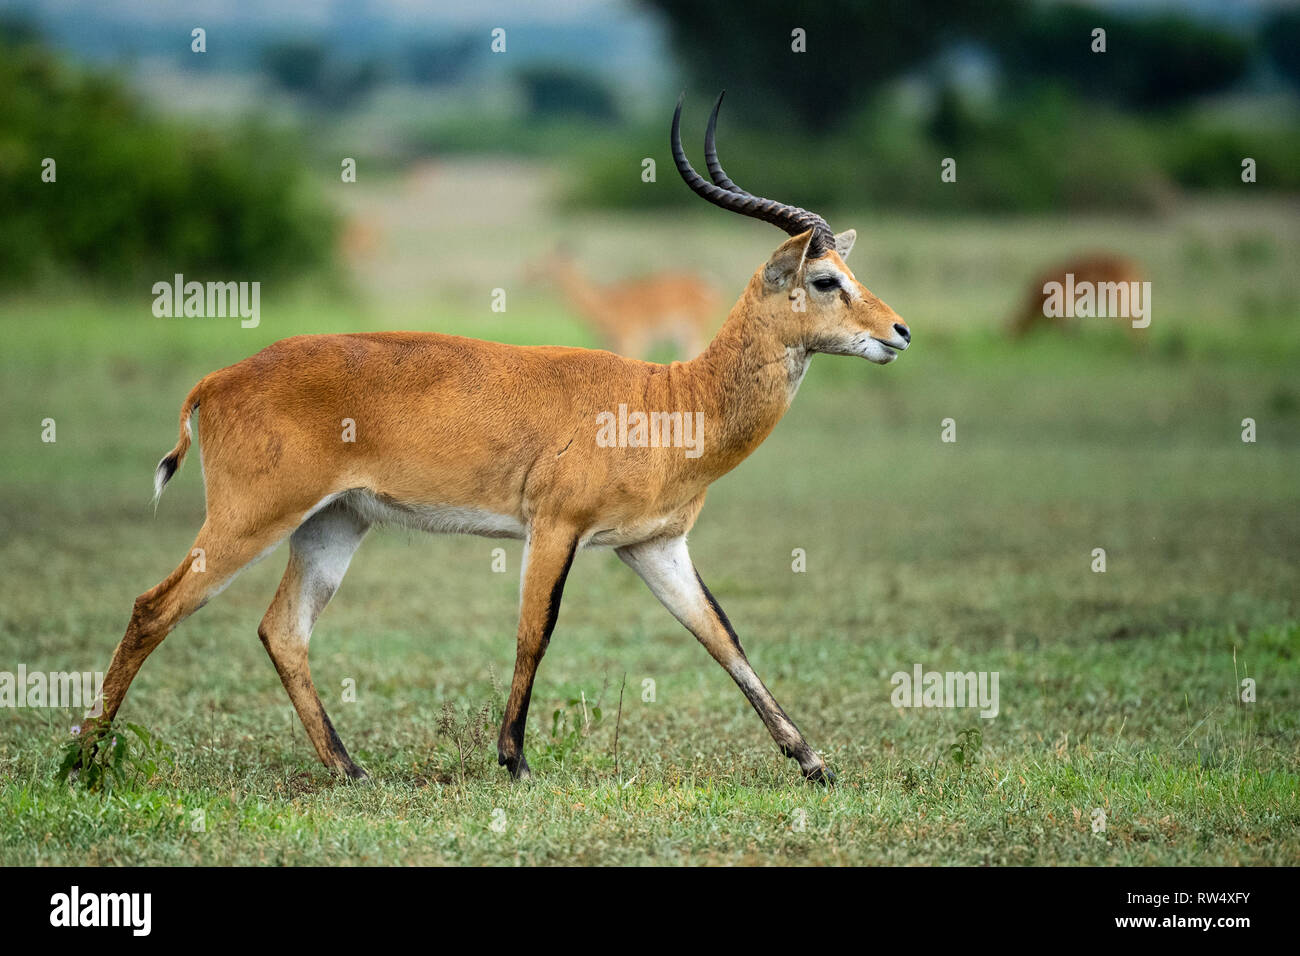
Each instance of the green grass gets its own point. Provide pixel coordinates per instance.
(1118, 690)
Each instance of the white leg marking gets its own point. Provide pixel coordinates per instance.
(665, 566)
(323, 546)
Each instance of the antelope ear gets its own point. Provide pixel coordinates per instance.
(786, 261)
(844, 242)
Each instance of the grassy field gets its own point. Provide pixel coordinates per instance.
(1118, 690)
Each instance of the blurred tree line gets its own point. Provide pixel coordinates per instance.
(306, 68)
(330, 82)
(1060, 127)
(1152, 60)
(134, 196)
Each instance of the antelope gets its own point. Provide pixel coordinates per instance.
(632, 315)
(360, 241)
(1100, 269)
(459, 435)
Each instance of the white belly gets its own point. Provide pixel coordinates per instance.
(457, 519)
(436, 519)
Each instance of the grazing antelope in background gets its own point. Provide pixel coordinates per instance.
(458, 435)
(1098, 269)
(632, 315)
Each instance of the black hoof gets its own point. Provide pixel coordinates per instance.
(355, 774)
(822, 775)
(517, 766)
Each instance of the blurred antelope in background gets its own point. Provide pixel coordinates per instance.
(632, 315)
(317, 438)
(1100, 269)
(360, 240)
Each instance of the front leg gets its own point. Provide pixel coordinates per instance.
(665, 565)
(548, 552)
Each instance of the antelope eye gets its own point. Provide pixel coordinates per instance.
(826, 283)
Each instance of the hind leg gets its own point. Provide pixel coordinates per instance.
(319, 554)
(211, 565)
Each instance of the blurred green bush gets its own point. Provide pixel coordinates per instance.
(136, 196)
(1047, 150)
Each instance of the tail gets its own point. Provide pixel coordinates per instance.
(172, 461)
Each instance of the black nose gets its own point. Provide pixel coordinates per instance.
(902, 330)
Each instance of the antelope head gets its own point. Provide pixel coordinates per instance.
(805, 290)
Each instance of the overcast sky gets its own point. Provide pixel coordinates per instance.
(320, 12)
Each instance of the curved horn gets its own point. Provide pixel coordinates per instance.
(790, 219)
(716, 172)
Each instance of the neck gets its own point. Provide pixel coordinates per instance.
(744, 381)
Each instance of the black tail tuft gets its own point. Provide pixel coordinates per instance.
(166, 468)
